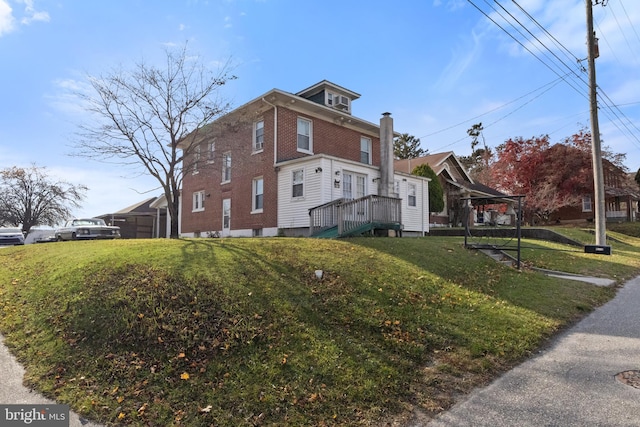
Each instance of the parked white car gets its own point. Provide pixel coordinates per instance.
(87, 229)
(11, 236)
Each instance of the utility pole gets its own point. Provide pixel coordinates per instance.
(596, 151)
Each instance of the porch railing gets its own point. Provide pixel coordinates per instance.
(350, 215)
(616, 214)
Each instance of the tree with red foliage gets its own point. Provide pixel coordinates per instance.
(549, 176)
(515, 170)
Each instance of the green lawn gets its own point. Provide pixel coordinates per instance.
(235, 332)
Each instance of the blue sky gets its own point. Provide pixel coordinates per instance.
(438, 66)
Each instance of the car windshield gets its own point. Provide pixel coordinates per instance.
(88, 222)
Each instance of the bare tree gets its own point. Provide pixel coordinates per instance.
(149, 118)
(29, 197)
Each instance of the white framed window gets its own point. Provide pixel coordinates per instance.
(198, 201)
(297, 183)
(354, 185)
(411, 195)
(361, 186)
(396, 188)
(365, 150)
(305, 142)
(226, 216)
(347, 186)
(330, 99)
(211, 151)
(226, 167)
(258, 136)
(196, 159)
(586, 204)
(257, 194)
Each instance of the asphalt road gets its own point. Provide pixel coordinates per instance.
(571, 383)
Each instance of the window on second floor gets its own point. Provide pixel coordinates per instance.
(226, 167)
(411, 195)
(196, 159)
(258, 195)
(258, 136)
(365, 150)
(211, 151)
(305, 142)
(198, 201)
(297, 183)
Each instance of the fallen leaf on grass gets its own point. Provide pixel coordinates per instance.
(184, 376)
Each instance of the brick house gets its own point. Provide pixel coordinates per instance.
(261, 169)
(621, 199)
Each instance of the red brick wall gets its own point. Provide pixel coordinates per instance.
(245, 166)
(327, 138)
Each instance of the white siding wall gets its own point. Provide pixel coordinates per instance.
(414, 219)
(294, 212)
(320, 187)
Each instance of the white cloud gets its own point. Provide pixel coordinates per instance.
(32, 14)
(6, 18)
(67, 96)
(463, 57)
(451, 5)
(108, 190)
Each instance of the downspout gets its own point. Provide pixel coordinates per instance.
(275, 153)
(422, 216)
(275, 131)
(425, 197)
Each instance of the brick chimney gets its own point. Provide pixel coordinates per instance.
(386, 156)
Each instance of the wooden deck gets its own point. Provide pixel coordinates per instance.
(343, 218)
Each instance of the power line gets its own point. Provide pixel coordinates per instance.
(608, 106)
(621, 30)
(557, 43)
(552, 84)
(633, 27)
(525, 47)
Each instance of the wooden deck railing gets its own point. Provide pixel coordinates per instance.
(349, 215)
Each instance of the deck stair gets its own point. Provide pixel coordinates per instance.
(363, 216)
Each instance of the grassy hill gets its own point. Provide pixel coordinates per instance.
(234, 332)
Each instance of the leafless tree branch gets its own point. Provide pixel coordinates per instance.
(149, 117)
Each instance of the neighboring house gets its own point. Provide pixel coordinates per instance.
(139, 221)
(456, 184)
(621, 199)
(285, 162)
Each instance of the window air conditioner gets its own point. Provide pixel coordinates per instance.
(341, 102)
